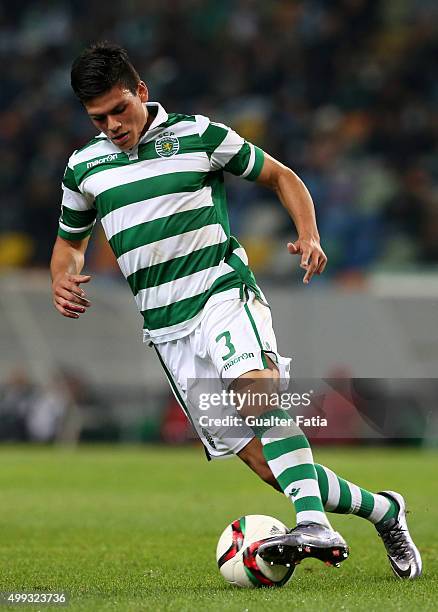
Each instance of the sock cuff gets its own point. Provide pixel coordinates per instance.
(277, 448)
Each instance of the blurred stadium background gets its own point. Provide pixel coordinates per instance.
(343, 91)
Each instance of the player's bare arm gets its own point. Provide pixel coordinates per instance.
(296, 199)
(67, 261)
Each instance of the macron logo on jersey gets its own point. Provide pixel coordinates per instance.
(102, 160)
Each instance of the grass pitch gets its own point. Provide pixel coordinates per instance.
(136, 529)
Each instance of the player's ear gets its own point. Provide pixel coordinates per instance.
(142, 91)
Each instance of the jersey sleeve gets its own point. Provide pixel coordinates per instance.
(229, 151)
(78, 214)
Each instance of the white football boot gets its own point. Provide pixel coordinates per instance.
(403, 555)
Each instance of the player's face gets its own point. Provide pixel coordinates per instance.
(120, 114)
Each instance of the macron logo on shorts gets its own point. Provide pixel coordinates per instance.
(237, 359)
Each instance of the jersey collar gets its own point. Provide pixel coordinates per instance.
(160, 117)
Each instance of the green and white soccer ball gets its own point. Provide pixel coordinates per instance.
(237, 557)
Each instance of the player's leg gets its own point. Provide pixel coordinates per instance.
(338, 495)
(309, 538)
(242, 337)
(190, 375)
(285, 448)
(386, 510)
(343, 497)
(243, 347)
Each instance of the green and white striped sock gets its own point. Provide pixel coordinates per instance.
(343, 497)
(290, 459)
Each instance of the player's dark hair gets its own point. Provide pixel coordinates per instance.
(99, 68)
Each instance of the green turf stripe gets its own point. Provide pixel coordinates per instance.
(344, 503)
(276, 449)
(254, 326)
(179, 267)
(166, 227)
(308, 503)
(122, 195)
(366, 505)
(298, 472)
(323, 482)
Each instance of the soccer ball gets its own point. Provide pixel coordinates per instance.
(237, 557)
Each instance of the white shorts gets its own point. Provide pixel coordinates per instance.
(231, 339)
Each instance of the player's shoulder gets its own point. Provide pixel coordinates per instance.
(93, 148)
(175, 118)
(182, 121)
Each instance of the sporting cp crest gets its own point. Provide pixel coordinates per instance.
(167, 144)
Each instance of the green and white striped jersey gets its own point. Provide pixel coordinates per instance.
(162, 206)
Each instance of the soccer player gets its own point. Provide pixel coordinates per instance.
(156, 181)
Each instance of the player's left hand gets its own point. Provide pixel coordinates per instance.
(313, 258)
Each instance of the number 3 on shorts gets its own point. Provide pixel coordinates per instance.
(230, 346)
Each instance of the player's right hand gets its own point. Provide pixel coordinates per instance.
(68, 297)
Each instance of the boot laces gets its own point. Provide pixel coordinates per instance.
(395, 540)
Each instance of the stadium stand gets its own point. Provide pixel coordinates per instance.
(331, 88)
